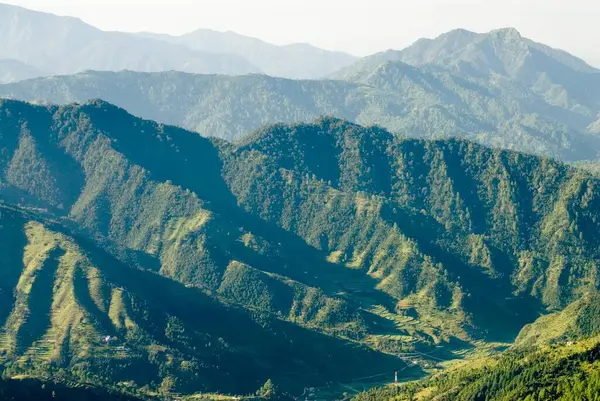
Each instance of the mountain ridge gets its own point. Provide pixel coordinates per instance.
(404, 99)
(232, 195)
(144, 330)
(296, 60)
(559, 77)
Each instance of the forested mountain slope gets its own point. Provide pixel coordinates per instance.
(399, 244)
(406, 100)
(563, 373)
(577, 321)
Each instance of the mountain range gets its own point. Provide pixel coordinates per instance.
(547, 105)
(50, 45)
(172, 235)
(406, 245)
(560, 79)
(298, 61)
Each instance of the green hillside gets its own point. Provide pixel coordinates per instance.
(578, 320)
(71, 310)
(328, 235)
(563, 374)
(568, 369)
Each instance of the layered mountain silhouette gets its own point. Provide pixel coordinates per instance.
(499, 89)
(52, 45)
(407, 100)
(300, 61)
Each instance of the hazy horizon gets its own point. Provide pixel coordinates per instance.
(358, 28)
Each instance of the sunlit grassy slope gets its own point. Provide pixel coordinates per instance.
(556, 358)
(70, 309)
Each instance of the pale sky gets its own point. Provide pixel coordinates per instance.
(358, 27)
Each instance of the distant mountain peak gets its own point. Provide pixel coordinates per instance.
(459, 33)
(501, 51)
(506, 33)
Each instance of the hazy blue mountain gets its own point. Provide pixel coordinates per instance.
(502, 51)
(560, 78)
(507, 52)
(366, 65)
(298, 61)
(64, 45)
(13, 70)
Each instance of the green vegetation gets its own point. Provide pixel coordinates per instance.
(577, 321)
(75, 313)
(566, 370)
(373, 251)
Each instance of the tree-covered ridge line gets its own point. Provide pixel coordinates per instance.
(498, 89)
(335, 230)
(406, 100)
